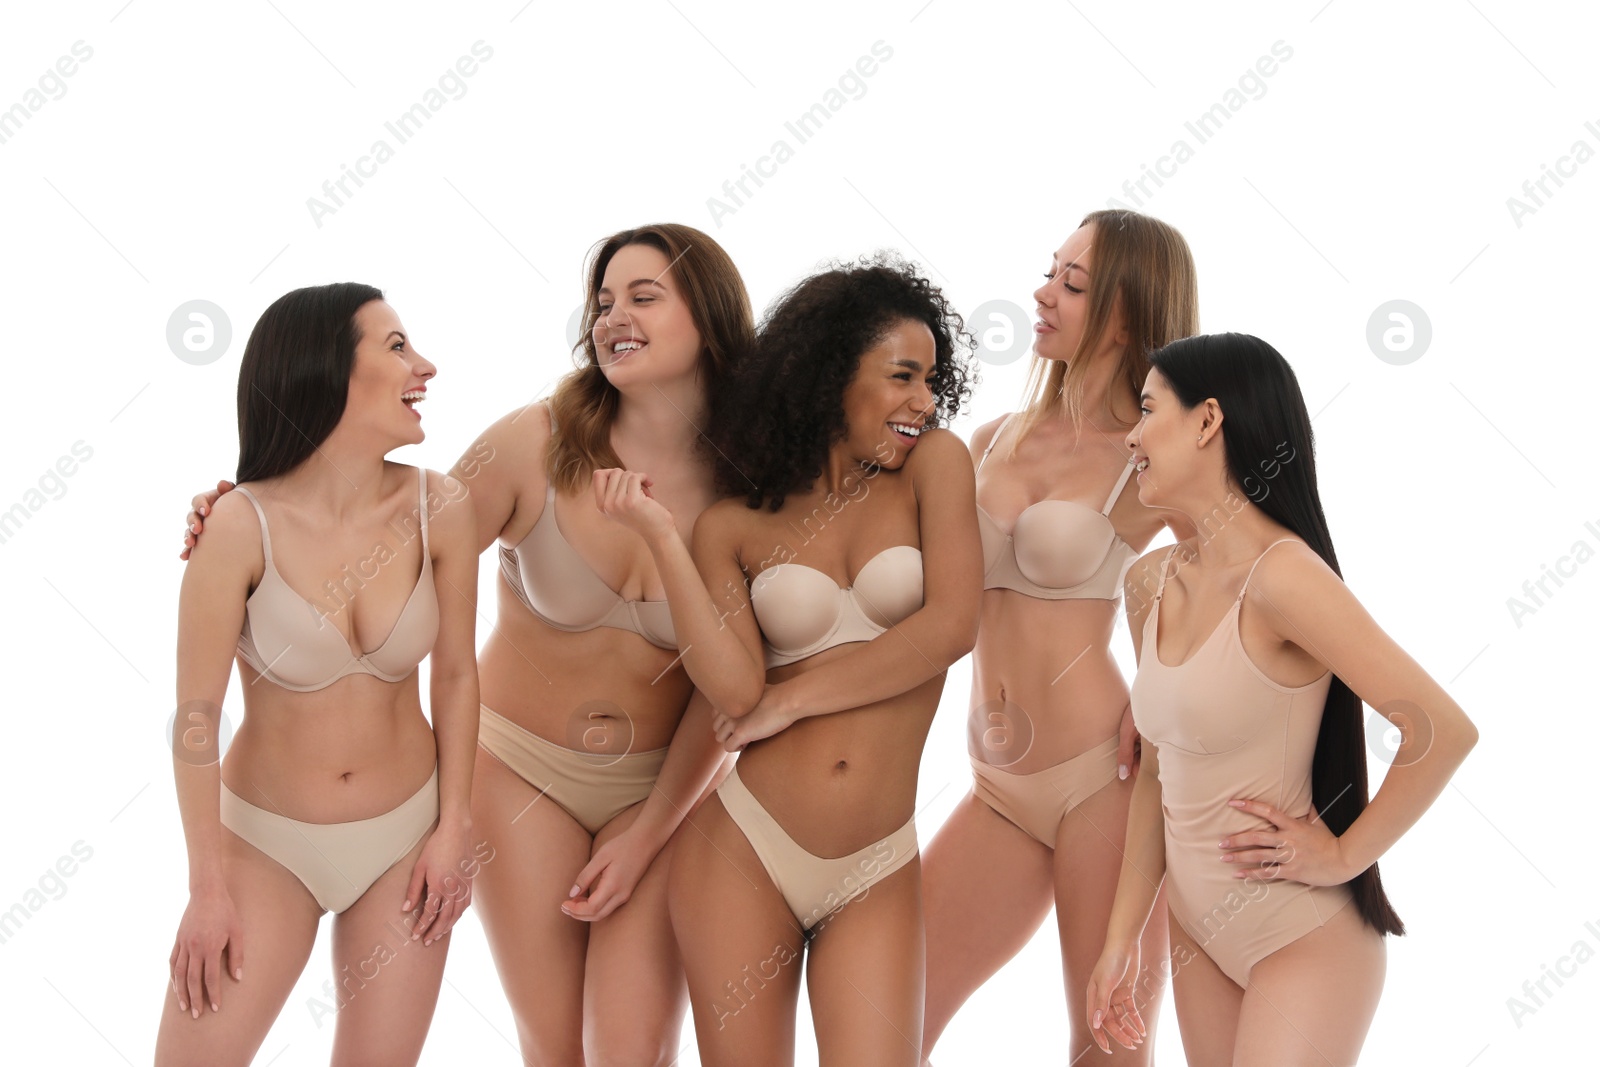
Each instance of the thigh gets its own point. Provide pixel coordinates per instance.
(1207, 1001)
(387, 984)
(634, 991)
(1312, 1001)
(865, 976)
(538, 850)
(279, 916)
(985, 890)
(1088, 864)
(741, 946)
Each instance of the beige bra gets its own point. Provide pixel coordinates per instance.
(1057, 549)
(802, 611)
(552, 580)
(293, 645)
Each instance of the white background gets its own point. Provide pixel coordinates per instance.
(1376, 165)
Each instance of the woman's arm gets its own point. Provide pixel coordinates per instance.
(718, 635)
(1307, 604)
(439, 878)
(211, 609)
(1144, 861)
(507, 456)
(693, 760)
(937, 634)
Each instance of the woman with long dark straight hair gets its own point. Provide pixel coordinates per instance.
(1253, 799)
(592, 744)
(336, 794)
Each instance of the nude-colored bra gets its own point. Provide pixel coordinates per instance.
(293, 645)
(552, 580)
(1057, 549)
(802, 611)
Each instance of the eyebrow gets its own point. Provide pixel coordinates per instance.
(909, 364)
(636, 283)
(394, 333)
(1146, 396)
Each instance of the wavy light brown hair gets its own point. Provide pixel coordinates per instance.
(1148, 263)
(585, 403)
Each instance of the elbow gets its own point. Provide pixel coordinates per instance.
(961, 636)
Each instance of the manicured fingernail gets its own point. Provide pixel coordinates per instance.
(214, 1006)
(238, 974)
(406, 906)
(1122, 771)
(1097, 1019)
(1236, 803)
(575, 892)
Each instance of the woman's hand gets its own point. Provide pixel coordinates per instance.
(201, 507)
(768, 717)
(209, 931)
(440, 887)
(608, 880)
(1300, 850)
(625, 496)
(1112, 1008)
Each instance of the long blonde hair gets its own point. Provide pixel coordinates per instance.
(584, 403)
(1148, 263)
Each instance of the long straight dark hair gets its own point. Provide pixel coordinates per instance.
(1263, 408)
(294, 378)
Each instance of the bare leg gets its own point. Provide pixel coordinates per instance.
(280, 917)
(1311, 1002)
(1088, 862)
(865, 976)
(986, 889)
(741, 946)
(387, 983)
(1207, 1001)
(538, 950)
(634, 990)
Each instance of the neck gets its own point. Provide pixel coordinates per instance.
(1104, 392)
(842, 472)
(1226, 528)
(665, 418)
(342, 478)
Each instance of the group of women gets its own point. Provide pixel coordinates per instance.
(715, 538)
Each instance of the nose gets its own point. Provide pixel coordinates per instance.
(1132, 440)
(423, 367)
(1042, 292)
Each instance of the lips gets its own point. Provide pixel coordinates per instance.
(624, 347)
(411, 398)
(906, 432)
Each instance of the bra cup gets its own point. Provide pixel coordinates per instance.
(796, 607)
(993, 540)
(654, 620)
(889, 587)
(320, 650)
(1061, 544)
(413, 636)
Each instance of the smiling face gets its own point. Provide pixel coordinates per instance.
(388, 379)
(1168, 442)
(890, 397)
(645, 331)
(1062, 302)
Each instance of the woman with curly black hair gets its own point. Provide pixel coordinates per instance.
(845, 574)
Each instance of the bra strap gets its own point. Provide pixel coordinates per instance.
(1127, 472)
(422, 497)
(1161, 582)
(266, 539)
(1257, 563)
(998, 430)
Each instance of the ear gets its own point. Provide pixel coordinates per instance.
(1210, 420)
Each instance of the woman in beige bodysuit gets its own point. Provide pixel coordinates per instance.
(1253, 800)
(1045, 820)
(591, 748)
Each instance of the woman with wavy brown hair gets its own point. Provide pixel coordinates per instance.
(1049, 735)
(590, 747)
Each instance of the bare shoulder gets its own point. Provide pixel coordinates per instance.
(445, 520)
(1292, 573)
(936, 451)
(233, 535)
(723, 521)
(523, 429)
(983, 436)
(1142, 580)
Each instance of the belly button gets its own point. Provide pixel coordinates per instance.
(842, 765)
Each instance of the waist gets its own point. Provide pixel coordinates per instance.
(314, 785)
(831, 804)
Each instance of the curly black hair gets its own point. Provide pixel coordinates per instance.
(782, 408)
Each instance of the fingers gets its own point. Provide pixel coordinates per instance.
(1126, 735)
(586, 877)
(193, 967)
(414, 888)
(213, 978)
(1266, 811)
(235, 950)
